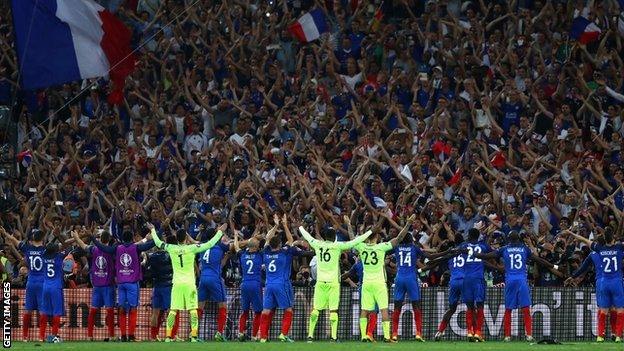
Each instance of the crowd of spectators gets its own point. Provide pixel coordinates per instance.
(481, 114)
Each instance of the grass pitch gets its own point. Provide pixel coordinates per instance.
(316, 346)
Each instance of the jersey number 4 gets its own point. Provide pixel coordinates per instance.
(372, 256)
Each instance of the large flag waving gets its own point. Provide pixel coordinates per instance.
(584, 30)
(310, 26)
(60, 41)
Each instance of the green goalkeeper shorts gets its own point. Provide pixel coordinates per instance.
(184, 297)
(326, 296)
(374, 293)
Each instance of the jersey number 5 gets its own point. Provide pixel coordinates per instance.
(50, 270)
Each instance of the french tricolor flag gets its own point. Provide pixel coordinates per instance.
(25, 158)
(310, 26)
(60, 41)
(584, 30)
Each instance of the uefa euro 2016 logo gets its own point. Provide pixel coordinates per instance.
(125, 260)
(101, 263)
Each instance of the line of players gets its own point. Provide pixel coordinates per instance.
(120, 263)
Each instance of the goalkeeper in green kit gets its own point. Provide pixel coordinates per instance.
(184, 291)
(374, 288)
(327, 288)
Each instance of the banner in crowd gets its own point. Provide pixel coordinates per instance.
(562, 313)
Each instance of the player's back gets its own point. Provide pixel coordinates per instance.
(210, 260)
(373, 261)
(127, 263)
(456, 266)
(160, 268)
(597, 261)
(102, 268)
(406, 257)
(358, 268)
(277, 264)
(33, 255)
(610, 258)
(54, 271)
(474, 267)
(182, 263)
(251, 266)
(515, 258)
(328, 261)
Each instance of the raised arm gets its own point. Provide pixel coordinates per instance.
(236, 245)
(552, 267)
(67, 243)
(583, 268)
(307, 236)
(289, 237)
(359, 239)
(79, 241)
(434, 263)
(105, 248)
(347, 222)
(13, 240)
(212, 242)
(394, 242)
(272, 231)
(159, 243)
(445, 254)
(577, 237)
(487, 256)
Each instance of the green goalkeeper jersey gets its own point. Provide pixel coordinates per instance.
(328, 255)
(373, 261)
(183, 257)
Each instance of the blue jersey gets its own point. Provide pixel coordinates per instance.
(34, 260)
(277, 264)
(160, 269)
(473, 267)
(406, 257)
(594, 258)
(358, 268)
(251, 265)
(53, 271)
(515, 258)
(610, 260)
(456, 267)
(210, 260)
